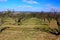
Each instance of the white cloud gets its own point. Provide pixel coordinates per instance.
(50, 7)
(29, 8)
(31, 1)
(25, 6)
(3, 0)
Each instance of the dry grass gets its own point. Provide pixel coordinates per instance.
(25, 31)
(53, 24)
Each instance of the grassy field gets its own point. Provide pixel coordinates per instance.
(26, 30)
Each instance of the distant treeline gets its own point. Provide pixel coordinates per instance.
(25, 15)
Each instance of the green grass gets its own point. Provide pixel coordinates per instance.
(25, 31)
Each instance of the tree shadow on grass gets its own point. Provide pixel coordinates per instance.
(48, 30)
(51, 31)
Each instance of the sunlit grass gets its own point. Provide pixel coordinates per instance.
(25, 31)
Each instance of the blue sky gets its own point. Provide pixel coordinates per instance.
(30, 5)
